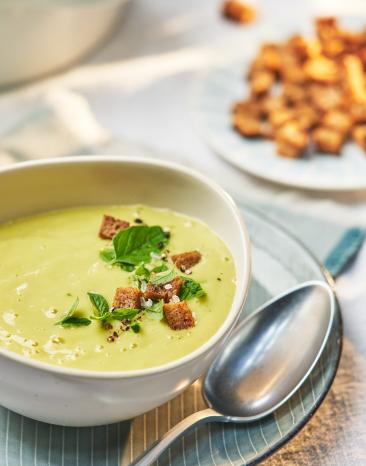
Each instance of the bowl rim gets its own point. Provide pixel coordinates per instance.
(242, 287)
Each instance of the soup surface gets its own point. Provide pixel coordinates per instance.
(50, 262)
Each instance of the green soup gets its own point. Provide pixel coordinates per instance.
(50, 260)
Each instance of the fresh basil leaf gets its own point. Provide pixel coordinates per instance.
(72, 321)
(191, 289)
(68, 322)
(142, 273)
(160, 268)
(107, 255)
(155, 312)
(135, 244)
(122, 314)
(136, 327)
(163, 277)
(127, 267)
(100, 305)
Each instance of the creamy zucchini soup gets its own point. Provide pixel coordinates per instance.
(111, 288)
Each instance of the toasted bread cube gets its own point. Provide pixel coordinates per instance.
(327, 140)
(326, 98)
(178, 315)
(249, 126)
(298, 47)
(293, 93)
(127, 298)
(187, 260)
(291, 70)
(355, 78)
(322, 69)
(238, 11)
(288, 151)
(291, 140)
(281, 116)
(111, 226)
(271, 103)
(261, 82)
(359, 135)
(270, 57)
(165, 292)
(248, 108)
(358, 112)
(338, 120)
(306, 116)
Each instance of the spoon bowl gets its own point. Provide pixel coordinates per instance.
(271, 353)
(264, 362)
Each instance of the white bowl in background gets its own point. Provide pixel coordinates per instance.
(38, 37)
(79, 397)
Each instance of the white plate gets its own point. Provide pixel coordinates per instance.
(215, 94)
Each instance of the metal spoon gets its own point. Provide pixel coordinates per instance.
(267, 358)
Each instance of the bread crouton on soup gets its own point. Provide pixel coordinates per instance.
(111, 226)
(186, 260)
(178, 315)
(165, 292)
(127, 298)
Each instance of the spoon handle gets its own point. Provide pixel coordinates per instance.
(157, 448)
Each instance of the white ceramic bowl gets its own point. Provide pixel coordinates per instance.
(38, 37)
(79, 397)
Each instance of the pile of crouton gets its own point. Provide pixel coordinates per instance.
(307, 95)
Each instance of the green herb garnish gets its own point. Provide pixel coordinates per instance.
(100, 306)
(107, 255)
(73, 321)
(125, 313)
(135, 244)
(191, 289)
(164, 276)
(136, 327)
(155, 311)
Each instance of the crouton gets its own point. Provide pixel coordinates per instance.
(249, 126)
(291, 140)
(261, 82)
(338, 120)
(306, 116)
(359, 135)
(327, 140)
(271, 103)
(178, 315)
(326, 98)
(281, 116)
(355, 78)
(129, 298)
(165, 292)
(358, 112)
(248, 108)
(238, 11)
(186, 260)
(287, 150)
(270, 58)
(322, 69)
(293, 93)
(298, 47)
(110, 226)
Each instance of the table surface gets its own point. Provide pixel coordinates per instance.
(141, 93)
